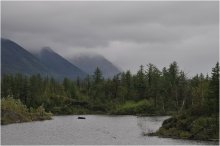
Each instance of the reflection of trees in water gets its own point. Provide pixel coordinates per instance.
(142, 123)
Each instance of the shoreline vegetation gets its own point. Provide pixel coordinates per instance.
(191, 128)
(192, 103)
(13, 111)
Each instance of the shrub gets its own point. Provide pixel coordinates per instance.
(184, 134)
(199, 124)
(131, 107)
(203, 128)
(14, 111)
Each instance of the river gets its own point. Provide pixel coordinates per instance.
(95, 130)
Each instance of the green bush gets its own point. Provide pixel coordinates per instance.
(181, 126)
(14, 111)
(205, 128)
(198, 124)
(40, 114)
(184, 134)
(11, 104)
(161, 131)
(173, 132)
(131, 107)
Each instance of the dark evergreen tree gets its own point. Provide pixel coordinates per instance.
(140, 83)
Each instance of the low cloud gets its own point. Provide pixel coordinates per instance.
(127, 33)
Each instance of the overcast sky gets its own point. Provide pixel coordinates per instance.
(127, 33)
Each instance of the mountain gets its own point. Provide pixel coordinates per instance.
(15, 59)
(89, 62)
(58, 65)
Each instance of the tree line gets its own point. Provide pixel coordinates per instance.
(149, 91)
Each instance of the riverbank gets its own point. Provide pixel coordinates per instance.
(182, 126)
(189, 127)
(13, 111)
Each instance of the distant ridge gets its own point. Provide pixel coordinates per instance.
(15, 59)
(58, 65)
(89, 62)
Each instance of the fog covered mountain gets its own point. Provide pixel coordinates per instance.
(15, 59)
(58, 65)
(89, 62)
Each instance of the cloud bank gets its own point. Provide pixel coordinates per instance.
(127, 33)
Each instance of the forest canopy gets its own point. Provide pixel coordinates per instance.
(150, 92)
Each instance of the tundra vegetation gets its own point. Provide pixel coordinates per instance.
(192, 102)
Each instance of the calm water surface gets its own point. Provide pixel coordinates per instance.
(95, 129)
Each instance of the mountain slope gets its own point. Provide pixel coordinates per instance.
(89, 63)
(58, 65)
(15, 59)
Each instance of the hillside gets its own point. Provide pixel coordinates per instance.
(89, 62)
(15, 59)
(58, 65)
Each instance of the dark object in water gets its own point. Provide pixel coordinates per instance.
(81, 118)
(114, 137)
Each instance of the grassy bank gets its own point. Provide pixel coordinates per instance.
(190, 127)
(13, 111)
(140, 108)
(184, 126)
